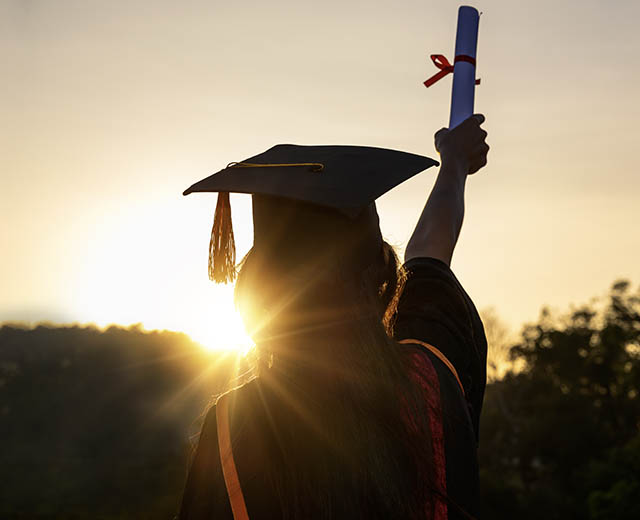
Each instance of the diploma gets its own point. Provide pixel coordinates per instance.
(464, 67)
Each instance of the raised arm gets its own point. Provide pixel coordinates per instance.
(463, 151)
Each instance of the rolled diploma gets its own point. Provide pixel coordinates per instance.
(464, 73)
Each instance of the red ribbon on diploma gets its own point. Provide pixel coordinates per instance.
(446, 68)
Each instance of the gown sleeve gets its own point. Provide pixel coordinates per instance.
(435, 308)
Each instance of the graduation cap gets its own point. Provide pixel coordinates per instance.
(320, 185)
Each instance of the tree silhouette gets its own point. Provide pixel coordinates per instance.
(499, 341)
(96, 424)
(553, 434)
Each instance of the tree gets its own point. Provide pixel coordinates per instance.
(96, 424)
(499, 341)
(548, 430)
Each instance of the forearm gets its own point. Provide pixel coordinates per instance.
(439, 225)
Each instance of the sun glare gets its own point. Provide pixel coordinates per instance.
(224, 334)
(213, 321)
(217, 325)
(172, 294)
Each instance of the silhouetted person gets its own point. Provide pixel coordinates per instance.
(370, 376)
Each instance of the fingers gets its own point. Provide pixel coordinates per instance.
(477, 164)
(439, 135)
(471, 133)
(479, 146)
(441, 132)
(475, 135)
(469, 129)
(478, 157)
(473, 121)
(480, 149)
(467, 141)
(479, 118)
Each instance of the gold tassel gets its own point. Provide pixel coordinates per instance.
(222, 246)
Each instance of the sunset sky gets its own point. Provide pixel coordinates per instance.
(111, 109)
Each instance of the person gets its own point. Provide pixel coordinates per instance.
(370, 375)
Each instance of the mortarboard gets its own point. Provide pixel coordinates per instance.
(302, 186)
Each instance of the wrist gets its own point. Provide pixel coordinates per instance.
(452, 177)
(456, 164)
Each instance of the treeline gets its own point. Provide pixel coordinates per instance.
(560, 439)
(99, 424)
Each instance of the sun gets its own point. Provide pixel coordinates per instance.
(172, 294)
(225, 333)
(212, 320)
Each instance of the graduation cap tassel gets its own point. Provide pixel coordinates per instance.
(222, 246)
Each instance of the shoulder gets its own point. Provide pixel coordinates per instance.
(434, 308)
(431, 281)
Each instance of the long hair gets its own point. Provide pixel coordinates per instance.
(352, 419)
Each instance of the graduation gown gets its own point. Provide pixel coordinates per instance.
(434, 310)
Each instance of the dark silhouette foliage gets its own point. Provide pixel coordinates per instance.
(100, 424)
(561, 438)
(97, 424)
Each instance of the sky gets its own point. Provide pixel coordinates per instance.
(111, 109)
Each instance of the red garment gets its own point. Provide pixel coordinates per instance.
(427, 377)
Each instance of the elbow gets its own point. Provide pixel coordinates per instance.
(438, 245)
